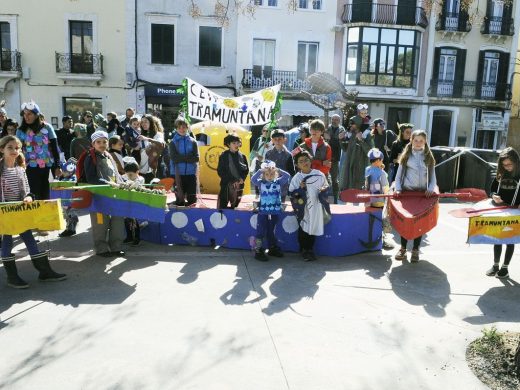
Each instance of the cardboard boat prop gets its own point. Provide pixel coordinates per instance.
(114, 201)
(414, 214)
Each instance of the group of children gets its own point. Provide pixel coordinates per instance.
(308, 189)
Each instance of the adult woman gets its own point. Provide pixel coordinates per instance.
(405, 131)
(150, 147)
(40, 148)
(383, 140)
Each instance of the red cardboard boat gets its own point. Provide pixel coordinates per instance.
(412, 216)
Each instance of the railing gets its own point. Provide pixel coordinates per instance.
(79, 63)
(498, 26)
(258, 78)
(369, 12)
(450, 21)
(10, 61)
(468, 89)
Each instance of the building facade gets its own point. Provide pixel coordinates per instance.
(68, 58)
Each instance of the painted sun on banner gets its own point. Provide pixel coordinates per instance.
(245, 110)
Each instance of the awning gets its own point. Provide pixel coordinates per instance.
(300, 108)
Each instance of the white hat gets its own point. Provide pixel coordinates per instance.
(375, 154)
(98, 134)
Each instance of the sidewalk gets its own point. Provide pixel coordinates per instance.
(171, 317)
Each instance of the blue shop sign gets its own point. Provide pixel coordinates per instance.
(160, 90)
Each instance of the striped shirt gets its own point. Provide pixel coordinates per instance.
(14, 184)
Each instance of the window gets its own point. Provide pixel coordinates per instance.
(263, 57)
(81, 41)
(75, 107)
(269, 3)
(210, 46)
(5, 46)
(306, 4)
(163, 44)
(381, 56)
(307, 59)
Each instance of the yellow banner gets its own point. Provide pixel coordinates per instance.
(494, 230)
(16, 218)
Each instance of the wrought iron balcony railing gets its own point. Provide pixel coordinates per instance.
(450, 21)
(258, 78)
(79, 63)
(498, 26)
(468, 90)
(369, 12)
(10, 61)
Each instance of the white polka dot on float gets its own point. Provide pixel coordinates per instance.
(179, 220)
(290, 224)
(218, 220)
(253, 221)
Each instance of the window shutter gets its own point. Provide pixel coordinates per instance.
(459, 73)
(436, 60)
(503, 68)
(507, 23)
(480, 74)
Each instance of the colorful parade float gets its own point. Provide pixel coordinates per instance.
(353, 228)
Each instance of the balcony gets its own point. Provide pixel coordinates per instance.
(10, 66)
(453, 22)
(79, 66)
(368, 12)
(258, 78)
(495, 25)
(474, 90)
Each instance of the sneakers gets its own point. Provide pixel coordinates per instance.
(492, 271)
(415, 256)
(502, 273)
(387, 244)
(275, 251)
(401, 254)
(67, 233)
(136, 242)
(260, 255)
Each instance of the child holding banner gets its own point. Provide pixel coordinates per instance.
(15, 188)
(505, 190)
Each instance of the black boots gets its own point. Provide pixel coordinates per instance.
(41, 263)
(13, 280)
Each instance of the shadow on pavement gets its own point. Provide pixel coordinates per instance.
(422, 284)
(498, 304)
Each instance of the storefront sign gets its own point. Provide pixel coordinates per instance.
(159, 90)
(246, 110)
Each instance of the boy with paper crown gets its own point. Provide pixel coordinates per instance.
(376, 179)
(68, 170)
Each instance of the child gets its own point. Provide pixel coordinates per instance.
(316, 146)
(184, 161)
(270, 180)
(312, 181)
(376, 179)
(281, 156)
(232, 169)
(115, 148)
(107, 230)
(505, 190)
(416, 172)
(15, 188)
(68, 170)
(133, 232)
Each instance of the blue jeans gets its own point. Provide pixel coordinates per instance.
(265, 228)
(28, 239)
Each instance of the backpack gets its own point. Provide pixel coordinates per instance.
(80, 165)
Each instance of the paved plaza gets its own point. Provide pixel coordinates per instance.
(172, 317)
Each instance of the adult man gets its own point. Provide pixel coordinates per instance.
(334, 135)
(88, 120)
(130, 112)
(65, 135)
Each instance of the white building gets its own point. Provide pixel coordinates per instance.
(69, 58)
(172, 45)
(282, 46)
